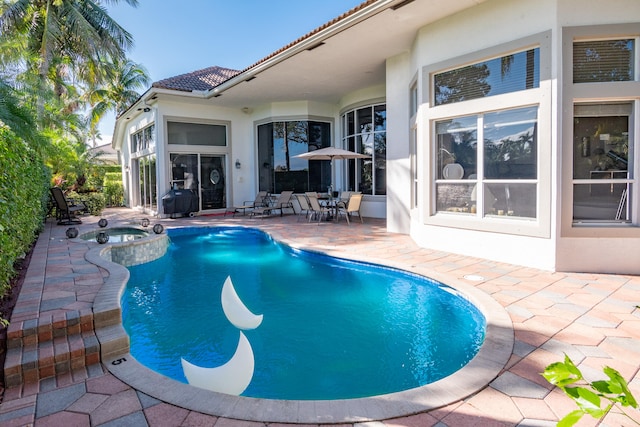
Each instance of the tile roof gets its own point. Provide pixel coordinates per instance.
(205, 79)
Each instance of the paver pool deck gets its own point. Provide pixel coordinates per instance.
(55, 354)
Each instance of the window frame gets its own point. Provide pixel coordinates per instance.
(354, 167)
(224, 125)
(479, 180)
(265, 176)
(603, 93)
(143, 145)
(539, 97)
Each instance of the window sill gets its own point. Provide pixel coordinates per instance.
(502, 224)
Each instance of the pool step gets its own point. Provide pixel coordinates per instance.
(48, 346)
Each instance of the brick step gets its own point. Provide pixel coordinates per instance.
(50, 345)
(48, 327)
(35, 362)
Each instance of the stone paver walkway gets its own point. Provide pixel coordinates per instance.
(56, 379)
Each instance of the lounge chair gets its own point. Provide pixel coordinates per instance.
(261, 200)
(282, 202)
(351, 207)
(317, 210)
(66, 209)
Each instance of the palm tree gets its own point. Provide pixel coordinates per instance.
(120, 90)
(62, 35)
(16, 117)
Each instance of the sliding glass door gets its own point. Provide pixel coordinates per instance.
(204, 174)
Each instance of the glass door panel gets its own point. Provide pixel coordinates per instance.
(602, 163)
(184, 171)
(212, 171)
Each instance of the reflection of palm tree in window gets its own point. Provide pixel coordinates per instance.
(297, 132)
(507, 61)
(462, 84)
(505, 152)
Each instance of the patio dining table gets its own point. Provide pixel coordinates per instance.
(329, 201)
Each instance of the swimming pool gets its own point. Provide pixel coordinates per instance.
(332, 328)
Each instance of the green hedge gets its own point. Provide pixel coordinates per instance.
(94, 201)
(113, 189)
(24, 196)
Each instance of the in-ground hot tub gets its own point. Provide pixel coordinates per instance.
(117, 234)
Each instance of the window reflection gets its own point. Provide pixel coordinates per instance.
(603, 61)
(488, 182)
(510, 144)
(366, 134)
(510, 73)
(278, 167)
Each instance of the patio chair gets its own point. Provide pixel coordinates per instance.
(66, 209)
(282, 202)
(317, 210)
(351, 207)
(261, 200)
(304, 206)
(344, 197)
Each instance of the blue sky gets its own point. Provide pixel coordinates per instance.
(177, 37)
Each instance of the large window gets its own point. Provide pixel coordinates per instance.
(278, 167)
(603, 61)
(603, 169)
(486, 164)
(197, 134)
(147, 186)
(364, 131)
(144, 139)
(509, 73)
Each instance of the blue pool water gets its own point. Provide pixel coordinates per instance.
(332, 328)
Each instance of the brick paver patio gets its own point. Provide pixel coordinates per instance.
(55, 378)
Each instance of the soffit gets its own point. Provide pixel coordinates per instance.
(350, 60)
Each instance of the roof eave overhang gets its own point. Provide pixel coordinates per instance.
(147, 99)
(306, 44)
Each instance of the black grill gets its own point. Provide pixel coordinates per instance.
(183, 202)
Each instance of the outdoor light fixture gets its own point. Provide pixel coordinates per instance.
(103, 223)
(238, 164)
(102, 237)
(158, 228)
(72, 232)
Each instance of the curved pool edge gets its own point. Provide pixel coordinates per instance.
(473, 377)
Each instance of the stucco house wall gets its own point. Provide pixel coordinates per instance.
(477, 32)
(458, 38)
(489, 27)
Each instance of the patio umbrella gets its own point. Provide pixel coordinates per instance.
(331, 153)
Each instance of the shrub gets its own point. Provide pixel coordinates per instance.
(24, 196)
(95, 202)
(113, 189)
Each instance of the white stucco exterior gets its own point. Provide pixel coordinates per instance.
(451, 34)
